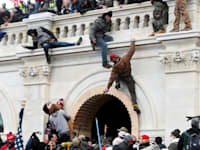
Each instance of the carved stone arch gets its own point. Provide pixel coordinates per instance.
(93, 84)
(87, 100)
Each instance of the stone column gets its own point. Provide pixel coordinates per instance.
(181, 60)
(44, 19)
(36, 85)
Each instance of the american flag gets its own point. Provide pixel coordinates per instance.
(16, 2)
(19, 139)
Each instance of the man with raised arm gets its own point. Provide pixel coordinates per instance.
(121, 71)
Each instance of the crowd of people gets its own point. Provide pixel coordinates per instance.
(59, 7)
(59, 138)
(58, 126)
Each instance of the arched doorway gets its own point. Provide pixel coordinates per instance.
(95, 104)
(112, 114)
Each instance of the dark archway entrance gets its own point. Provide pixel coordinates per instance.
(108, 109)
(114, 114)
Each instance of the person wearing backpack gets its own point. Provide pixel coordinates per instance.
(58, 119)
(46, 40)
(189, 140)
(175, 135)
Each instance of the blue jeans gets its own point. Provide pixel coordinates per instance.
(101, 42)
(55, 44)
(37, 6)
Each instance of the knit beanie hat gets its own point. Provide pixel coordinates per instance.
(107, 13)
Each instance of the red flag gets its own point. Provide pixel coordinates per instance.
(16, 2)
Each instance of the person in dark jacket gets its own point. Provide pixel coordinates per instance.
(38, 4)
(1, 142)
(75, 6)
(9, 16)
(158, 141)
(46, 39)
(121, 71)
(97, 35)
(175, 135)
(127, 144)
(86, 5)
(185, 139)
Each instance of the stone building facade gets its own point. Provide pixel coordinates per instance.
(165, 67)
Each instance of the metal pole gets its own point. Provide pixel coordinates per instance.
(98, 134)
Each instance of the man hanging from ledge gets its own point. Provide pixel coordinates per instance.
(46, 39)
(181, 11)
(121, 71)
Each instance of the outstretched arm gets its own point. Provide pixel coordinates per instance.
(131, 51)
(35, 46)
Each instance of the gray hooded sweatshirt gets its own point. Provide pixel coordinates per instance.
(59, 121)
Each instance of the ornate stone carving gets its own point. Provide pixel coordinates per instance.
(45, 70)
(34, 71)
(178, 58)
(181, 61)
(22, 72)
(195, 57)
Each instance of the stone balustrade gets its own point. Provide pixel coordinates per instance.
(135, 17)
(130, 20)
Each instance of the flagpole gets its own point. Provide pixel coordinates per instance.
(98, 134)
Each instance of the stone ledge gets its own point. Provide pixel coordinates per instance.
(83, 49)
(178, 35)
(158, 39)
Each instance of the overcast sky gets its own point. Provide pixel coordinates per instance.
(9, 3)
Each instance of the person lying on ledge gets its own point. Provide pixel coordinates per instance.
(46, 40)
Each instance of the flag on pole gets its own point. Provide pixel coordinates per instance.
(16, 2)
(19, 143)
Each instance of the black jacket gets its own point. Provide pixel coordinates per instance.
(90, 5)
(123, 146)
(100, 28)
(181, 144)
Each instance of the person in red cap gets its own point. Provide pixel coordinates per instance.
(60, 103)
(122, 71)
(145, 144)
(10, 142)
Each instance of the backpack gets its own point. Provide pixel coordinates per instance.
(49, 128)
(49, 33)
(193, 141)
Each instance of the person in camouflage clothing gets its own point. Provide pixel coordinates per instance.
(181, 11)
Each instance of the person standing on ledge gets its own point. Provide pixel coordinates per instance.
(46, 40)
(181, 11)
(97, 35)
(121, 71)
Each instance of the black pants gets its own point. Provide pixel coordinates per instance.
(64, 137)
(130, 82)
(59, 4)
